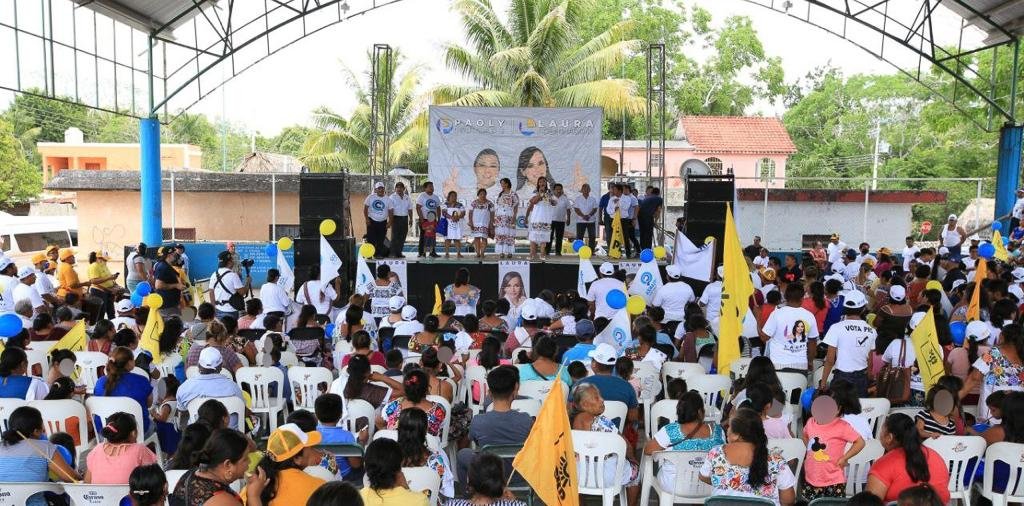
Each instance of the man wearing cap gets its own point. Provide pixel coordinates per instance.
(408, 326)
(952, 236)
(426, 203)
(167, 284)
(851, 343)
(599, 289)
(208, 383)
(522, 336)
(53, 255)
(25, 290)
(8, 282)
(274, 297)
(183, 259)
(585, 334)
(377, 210)
(44, 284)
(612, 387)
(225, 284)
(674, 295)
(955, 269)
(394, 317)
(835, 249)
(67, 278)
(401, 205)
(125, 316)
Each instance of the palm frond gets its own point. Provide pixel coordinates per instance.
(616, 96)
(598, 65)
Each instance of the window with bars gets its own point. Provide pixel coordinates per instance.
(766, 169)
(715, 164)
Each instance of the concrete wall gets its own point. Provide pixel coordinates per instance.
(59, 156)
(634, 161)
(787, 222)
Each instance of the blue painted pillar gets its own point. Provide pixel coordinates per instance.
(149, 172)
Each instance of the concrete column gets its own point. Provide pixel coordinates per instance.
(149, 172)
(1008, 169)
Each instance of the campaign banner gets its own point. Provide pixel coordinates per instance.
(398, 268)
(514, 281)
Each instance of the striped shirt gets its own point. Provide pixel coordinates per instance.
(22, 462)
(933, 426)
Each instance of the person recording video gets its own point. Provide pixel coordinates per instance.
(226, 288)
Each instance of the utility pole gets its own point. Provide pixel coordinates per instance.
(874, 163)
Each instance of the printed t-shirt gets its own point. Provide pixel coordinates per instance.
(790, 329)
(826, 444)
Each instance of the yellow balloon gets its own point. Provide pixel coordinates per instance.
(153, 301)
(659, 252)
(636, 304)
(614, 253)
(284, 243)
(367, 250)
(934, 285)
(709, 239)
(585, 252)
(327, 227)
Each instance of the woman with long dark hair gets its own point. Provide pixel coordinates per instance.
(112, 461)
(289, 451)
(464, 295)
(147, 486)
(358, 385)
(25, 457)
(416, 386)
(223, 459)
(744, 467)
(817, 304)
(906, 462)
(412, 437)
(387, 484)
(531, 167)
(505, 209)
(540, 212)
(688, 432)
(487, 483)
(513, 290)
(193, 439)
(119, 381)
(362, 345)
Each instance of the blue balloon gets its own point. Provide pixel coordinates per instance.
(329, 330)
(10, 325)
(959, 331)
(997, 225)
(807, 398)
(987, 250)
(136, 299)
(646, 255)
(271, 250)
(616, 299)
(143, 289)
(576, 245)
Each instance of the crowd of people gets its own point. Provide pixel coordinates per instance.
(462, 375)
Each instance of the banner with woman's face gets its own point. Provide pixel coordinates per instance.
(514, 281)
(475, 147)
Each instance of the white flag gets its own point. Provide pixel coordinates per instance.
(330, 263)
(287, 276)
(692, 261)
(364, 276)
(617, 332)
(647, 281)
(586, 275)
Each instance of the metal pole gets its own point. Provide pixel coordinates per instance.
(764, 213)
(273, 207)
(172, 207)
(867, 187)
(874, 163)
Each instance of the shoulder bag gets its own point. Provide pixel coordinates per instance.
(236, 301)
(894, 381)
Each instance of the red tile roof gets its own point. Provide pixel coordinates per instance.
(736, 134)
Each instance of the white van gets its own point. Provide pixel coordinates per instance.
(24, 236)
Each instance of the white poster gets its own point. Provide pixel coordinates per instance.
(398, 268)
(514, 281)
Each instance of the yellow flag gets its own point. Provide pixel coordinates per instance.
(437, 299)
(74, 340)
(150, 339)
(997, 241)
(974, 307)
(736, 290)
(547, 461)
(617, 238)
(929, 354)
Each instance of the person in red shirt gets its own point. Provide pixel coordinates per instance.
(906, 463)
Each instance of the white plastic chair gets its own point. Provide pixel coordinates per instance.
(424, 479)
(173, 477)
(911, 412)
(305, 382)
(40, 357)
(738, 368)
(685, 370)
(593, 450)
(356, 410)
(193, 371)
(433, 442)
(687, 489)
(536, 389)
(103, 407)
(447, 423)
(320, 472)
(649, 377)
(475, 376)
(56, 414)
(957, 451)
(288, 359)
(90, 365)
(713, 388)
(1010, 455)
(874, 410)
(17, 494)
(515, 353)
(88, 494)
(791, 449)
(528, 406)
(168, 364)
(792, 382)
(7, 406)
(857, 467)
(616, 410)
(663, 409)
(234, 405)
(257, 381)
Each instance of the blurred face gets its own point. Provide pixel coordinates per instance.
(536, 168)
(592, 403)
(400, 189)
(486, 169)
(452, 197)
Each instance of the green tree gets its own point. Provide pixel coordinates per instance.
(339, 143)
(289, 141)
(19, 179)
(52, 117)
(539, 58)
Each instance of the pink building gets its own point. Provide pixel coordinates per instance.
(754, 148)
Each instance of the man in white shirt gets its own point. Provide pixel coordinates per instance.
(599, 289)
(408, 326)
(401, 205)
(7, 284)
(317, 293)
(626, 205)
(585, 207)
(224, 283)
(125, 316)
(711, 301)
(865, 254)
(835, 249)
(851, 342)
(275, 299)
(762, 260)
(427, 202)
(791, 333)
(908, 252)
(26, 291)
(852, 266)
(559, 218)
(377, 211)
(674, 295)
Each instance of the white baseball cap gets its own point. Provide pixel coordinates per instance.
(673, 271)
(396, 303)
(408, 313)
(957, 284)
(26, 271)
(836, 276)
(528, 311)
(378, 184)
(210, 358)
(124, 305)
(5, 262)
(978, 331)
(604, 354)
(897, 293)
(1015, 290)
(916, 319)
(854, 300)
(943, 250)
(1018, 274)
(951, 217)
(606, 268)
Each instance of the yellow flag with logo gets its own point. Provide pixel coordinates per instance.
(974, 306)
(150, 338)
(548, 461)
(618, 240)
(997, 241)
(737, 287)
(929, 354)
(74, 340)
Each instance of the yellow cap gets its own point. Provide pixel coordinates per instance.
(38, 257)
(52, 247)
(288, 440)
(66, 253)
(100, 255)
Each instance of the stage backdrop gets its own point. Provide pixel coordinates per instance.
(474, 147)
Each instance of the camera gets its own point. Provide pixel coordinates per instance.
(247, 264)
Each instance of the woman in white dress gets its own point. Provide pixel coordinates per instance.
(453, 212)
(506, 206)
(481, 221)
(538, 215)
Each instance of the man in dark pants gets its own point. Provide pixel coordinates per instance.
(586, 208)
(606, 218)
(377, 211)
(650, 209)
(427, 202)
(558, 219)
(400, 207)
(626, 206)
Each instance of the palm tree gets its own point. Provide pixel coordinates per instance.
(538, 59)
(338, 142)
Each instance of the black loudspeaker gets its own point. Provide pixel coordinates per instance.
(321, 197)
(706, 199)
(307, 256)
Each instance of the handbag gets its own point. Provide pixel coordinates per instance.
(442, 227)
(894, 382)
(236, 300)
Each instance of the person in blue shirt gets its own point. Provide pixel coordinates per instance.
(612, 387)
(328, 409)
(585, 334)
(120, 381)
